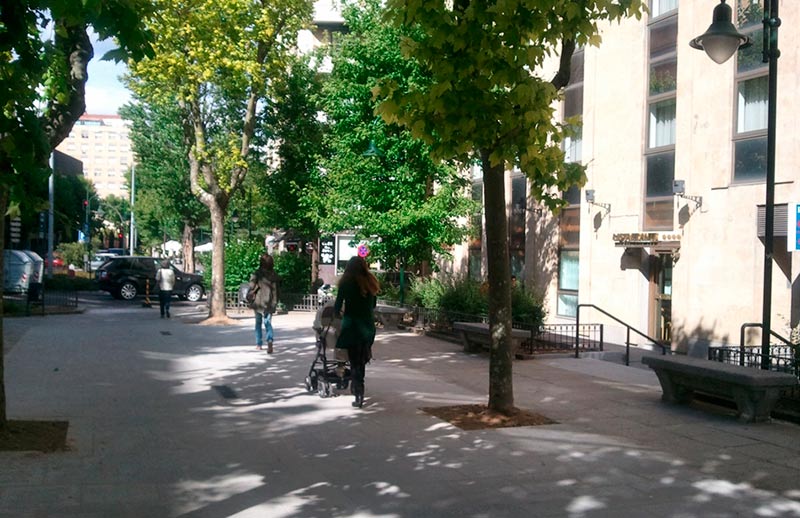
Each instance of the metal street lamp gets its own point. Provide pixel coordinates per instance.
(720, 41)
(87, 202)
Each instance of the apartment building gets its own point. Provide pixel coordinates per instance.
(102, 143)
(668, 233)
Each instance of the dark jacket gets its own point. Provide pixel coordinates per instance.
(358, 322)
(267, 282)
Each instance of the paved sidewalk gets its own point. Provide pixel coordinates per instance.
(151, 437)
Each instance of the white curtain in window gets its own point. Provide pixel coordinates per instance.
(753, 97)
(660, 7)
(568, 270)
(572, 149)
(662, 123)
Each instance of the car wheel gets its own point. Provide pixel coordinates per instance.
(128, 290)
(194, 293)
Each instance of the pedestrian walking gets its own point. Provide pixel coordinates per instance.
(358, 289)
(263, 298)
(165, 277)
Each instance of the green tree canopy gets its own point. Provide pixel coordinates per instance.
(487, 101)
(165, 205)
(406, 205)
(43, 88)
(217, 59)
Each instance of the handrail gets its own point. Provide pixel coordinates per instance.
(628, 327)
(761, 326)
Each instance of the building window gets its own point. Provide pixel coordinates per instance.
(568, 270)
(570, 219)
(474, 266)
(519, 204)
(750, 136)
(659, 7)
(573, 109)
(516, 226)
(659, 160)
(568, 254)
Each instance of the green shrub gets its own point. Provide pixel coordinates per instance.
(526, 308)
(241, 260)
(464, 295)
(388, 291)
(426, 292)
(295, 272)
(72, 253)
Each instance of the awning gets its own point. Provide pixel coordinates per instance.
(660, 241)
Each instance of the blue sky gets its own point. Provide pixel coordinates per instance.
(104, 91)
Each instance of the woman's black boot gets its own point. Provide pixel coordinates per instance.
(359, 401)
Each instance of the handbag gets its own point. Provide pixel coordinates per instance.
(250, 298)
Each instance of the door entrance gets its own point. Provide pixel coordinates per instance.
(661, 297)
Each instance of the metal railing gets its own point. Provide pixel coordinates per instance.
(38, 300)
(628, 329)
(290, 301)
(561, 337)
(783, 356)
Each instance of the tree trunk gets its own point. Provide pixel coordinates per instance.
(3, 208)
(188, 247)
(217, 310)
(314, 260)
(501, 387)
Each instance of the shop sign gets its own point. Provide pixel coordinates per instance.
(644, 239)
(793, 230)
(326, 251)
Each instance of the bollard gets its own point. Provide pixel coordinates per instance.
(146, 303)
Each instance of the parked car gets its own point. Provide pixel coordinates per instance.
(99, 258)
(57, 262)
(125, 277)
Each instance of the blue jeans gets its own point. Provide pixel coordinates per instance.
(267, 318)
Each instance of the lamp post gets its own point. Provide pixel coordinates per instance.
(720, 41)
(87, 229)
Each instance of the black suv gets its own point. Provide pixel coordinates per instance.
(125, 277)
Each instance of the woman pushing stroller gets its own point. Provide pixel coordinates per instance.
(357, 292)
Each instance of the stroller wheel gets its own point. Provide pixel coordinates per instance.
(311, 381)
(324, 389)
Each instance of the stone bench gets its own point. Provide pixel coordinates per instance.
(475, 337)
(390, 316)
(754, 391)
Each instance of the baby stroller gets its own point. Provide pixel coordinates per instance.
(330, 367)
